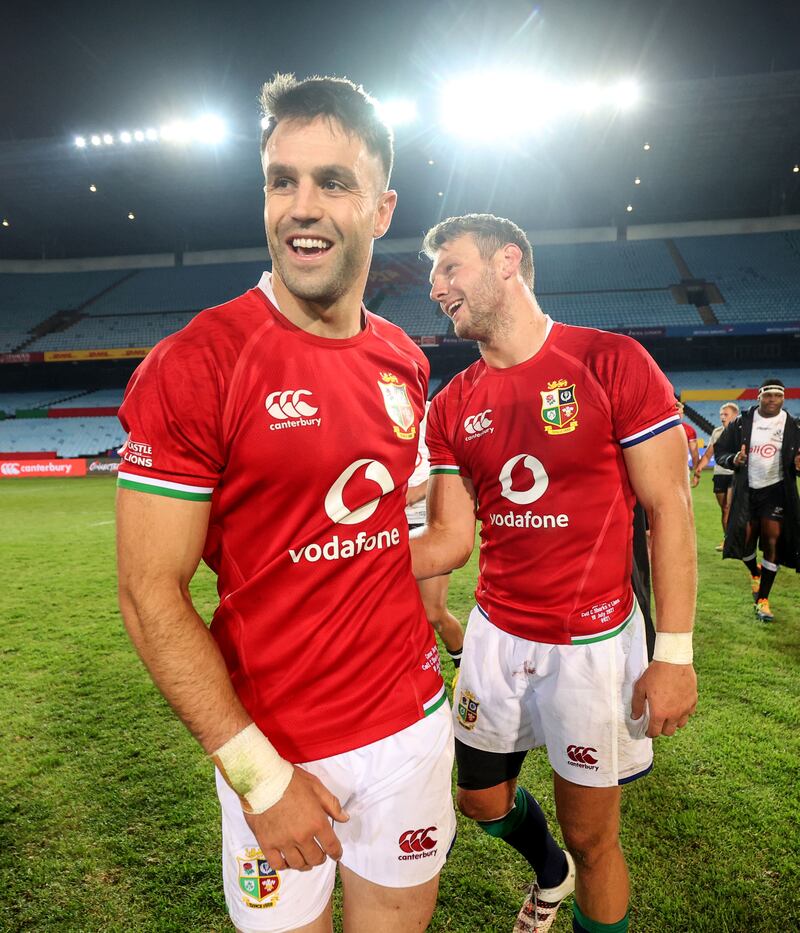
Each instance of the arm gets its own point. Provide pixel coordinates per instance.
(708, 453)
(729, 454)
(447, 539)
(657, 473)
(693, 452)
(159, 544)
(415, 494)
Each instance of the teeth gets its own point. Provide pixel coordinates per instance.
(307, 243)
(455, 306)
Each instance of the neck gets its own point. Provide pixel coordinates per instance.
(523, 336)
(337, 320)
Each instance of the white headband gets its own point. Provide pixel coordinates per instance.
(764, 389)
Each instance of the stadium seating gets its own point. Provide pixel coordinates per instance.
(96, 333)
(69, 437)
(587, 267)
(619, 309)
(23, 401)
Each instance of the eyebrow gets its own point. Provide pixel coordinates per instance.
(320, 173)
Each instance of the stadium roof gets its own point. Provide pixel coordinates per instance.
(720, 111)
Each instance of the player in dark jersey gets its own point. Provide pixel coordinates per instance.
(274, 437)
(576, 424)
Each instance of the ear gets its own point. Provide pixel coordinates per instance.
(383, 213)
(510, 257)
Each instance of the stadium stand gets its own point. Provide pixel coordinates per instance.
(758, 275)
(11, 402)
(95, 333)
(618, 309)
(69, 437)
(588, 267)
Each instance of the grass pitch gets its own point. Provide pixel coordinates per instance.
(108, 816)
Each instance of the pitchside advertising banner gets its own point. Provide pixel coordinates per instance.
(36, 469)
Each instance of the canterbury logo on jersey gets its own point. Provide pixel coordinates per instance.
(291, 410)
(478, 425)
(337, 548)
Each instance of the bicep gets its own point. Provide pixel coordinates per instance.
(657, 468)
(159, 539)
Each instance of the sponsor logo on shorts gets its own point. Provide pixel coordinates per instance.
(559, 407)
(582, 756)
(478, 425)
(290, 409)
(134, 452)
(417, 844)
(398, 406)
(467, 708)
(337, 547)
(258, 880)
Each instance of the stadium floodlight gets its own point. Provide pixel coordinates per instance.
(397, 111)
(125, 137)
(626, 94)
(589, 97)
(96, 141)
(796, 168)
(501, 116)
(629, 208)
(108, 139)
(93, 188)
(637, 180)
(646, 147)
(138, 135)
(5, 222)
(131, 215)
(151, 135)
(210, 129)
(80, 142)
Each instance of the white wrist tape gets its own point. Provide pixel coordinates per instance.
(252, 767)
(673, 647)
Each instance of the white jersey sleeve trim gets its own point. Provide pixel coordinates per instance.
(646, 433)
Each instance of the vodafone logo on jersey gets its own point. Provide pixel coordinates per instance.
(334, 502)
(535, 488)
(337, 510)
(478, 425)
(523, 481)
(291, 409)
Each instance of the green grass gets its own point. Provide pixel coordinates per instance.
(108, 816)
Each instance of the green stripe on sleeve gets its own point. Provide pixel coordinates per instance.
(163, 491)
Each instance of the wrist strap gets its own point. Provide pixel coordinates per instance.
(254, 769)
(673, 647)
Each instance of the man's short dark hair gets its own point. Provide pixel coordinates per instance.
(339, 99)
(772, 382)
(491, 234)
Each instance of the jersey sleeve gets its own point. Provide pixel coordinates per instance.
(440, 451)
(172, 412)
(691, 434)
(641, 397)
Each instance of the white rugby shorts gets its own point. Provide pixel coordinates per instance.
(513, 695)
(398, 793)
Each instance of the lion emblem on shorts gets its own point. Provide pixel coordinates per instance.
(258, 880)
(468, 705)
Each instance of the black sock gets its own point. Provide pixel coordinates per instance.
(455, 657)
(752, 565)
(767, 579)
(525, 829)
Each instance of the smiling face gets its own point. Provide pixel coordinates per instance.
(468, 289)
(324, 205)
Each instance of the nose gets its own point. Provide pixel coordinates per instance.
(306, 204)
(438, 289)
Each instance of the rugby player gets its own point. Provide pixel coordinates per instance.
(762, 446)
(433, 591)
(691, 439)
(273, 437)
(722, 478)
(582, 424)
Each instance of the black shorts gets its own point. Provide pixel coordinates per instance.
(722, 483)
(769, 502)
(478, 770)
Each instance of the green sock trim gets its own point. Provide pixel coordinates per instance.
(512, 819)
(592, 926)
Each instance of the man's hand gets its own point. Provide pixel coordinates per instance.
(671, 694)
(296, 832)
(741, 457)
(695, 478)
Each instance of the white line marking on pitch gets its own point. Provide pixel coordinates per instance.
(95, 524)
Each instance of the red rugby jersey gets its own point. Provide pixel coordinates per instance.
(304, 446)
(542, 443)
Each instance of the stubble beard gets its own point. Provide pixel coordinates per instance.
(320, 286)
(486, 322)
